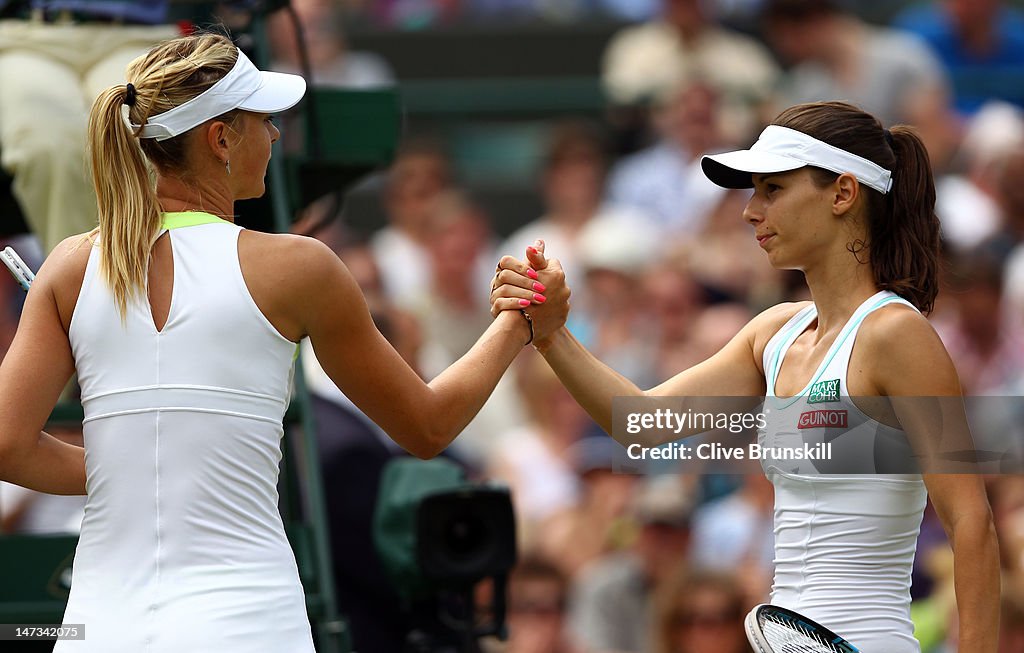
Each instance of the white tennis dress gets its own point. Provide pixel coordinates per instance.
(182, 546)
(845, 530)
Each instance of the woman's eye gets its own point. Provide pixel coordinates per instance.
(772, 188)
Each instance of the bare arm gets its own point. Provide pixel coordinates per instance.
(421, 417)
(32, 376)
(916, 372)
(734, 371)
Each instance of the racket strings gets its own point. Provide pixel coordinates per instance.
(787, 635)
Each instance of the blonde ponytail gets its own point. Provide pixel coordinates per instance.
(129, 214)
(169, 75)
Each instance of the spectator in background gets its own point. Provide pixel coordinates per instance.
(981, 43)
(417, 177)
(1011, 620)
(968, 204)
(834, 55)
(572, 187)
(673, 303)
(452, 310)
(612, 318)
(332, 64)
(726, 260)
(665, 180)
(534, 454)
(1010, 197)
(700, 612)
(713, 328)
(988, 354)
(611, 607)
(51, 70)
(536, 608)
(631, 10)
(641, 62)
(734, 533)
(597, 523)
(414, 14)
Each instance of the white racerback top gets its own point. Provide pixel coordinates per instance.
(844, 542)
(182, 546)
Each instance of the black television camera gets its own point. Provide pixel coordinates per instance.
(438, 536)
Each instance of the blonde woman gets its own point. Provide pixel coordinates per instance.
(182, 328)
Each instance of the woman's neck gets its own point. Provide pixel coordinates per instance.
(838, 290)
(175, 195)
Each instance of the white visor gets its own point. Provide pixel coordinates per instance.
(780, 149)
(245, 87)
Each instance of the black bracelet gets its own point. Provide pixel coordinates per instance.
(529, 320)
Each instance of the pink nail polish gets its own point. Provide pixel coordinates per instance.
(531, 250)
(530, 272)
(538, 286)
(540, 299)
(524, 302)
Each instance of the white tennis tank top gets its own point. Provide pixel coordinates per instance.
(844, 543)
(182, 546)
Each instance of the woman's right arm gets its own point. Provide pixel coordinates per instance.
(34, 372)
(421, 417)
(735, 371)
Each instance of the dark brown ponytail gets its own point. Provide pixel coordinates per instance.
(903, 231)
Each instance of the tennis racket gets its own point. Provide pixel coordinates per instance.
(772, 629)
(21, 272)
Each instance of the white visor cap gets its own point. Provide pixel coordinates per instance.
(244, 87)
(780, 149)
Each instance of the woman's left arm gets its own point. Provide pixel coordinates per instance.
(917, 374)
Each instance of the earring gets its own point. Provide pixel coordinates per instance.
(227, 164)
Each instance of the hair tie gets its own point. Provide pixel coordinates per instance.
(129, 96)
(889, 139)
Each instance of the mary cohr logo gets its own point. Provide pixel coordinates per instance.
(824, 391)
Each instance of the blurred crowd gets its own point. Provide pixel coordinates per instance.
(663, 272)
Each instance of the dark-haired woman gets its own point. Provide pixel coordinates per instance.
(851, 205)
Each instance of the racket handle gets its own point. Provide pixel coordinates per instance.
(21, 272)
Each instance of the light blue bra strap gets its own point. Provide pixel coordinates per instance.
(789, 331)
(896, 299)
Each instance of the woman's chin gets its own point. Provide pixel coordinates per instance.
(252, 194)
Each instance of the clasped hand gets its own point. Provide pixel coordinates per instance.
(535, 286)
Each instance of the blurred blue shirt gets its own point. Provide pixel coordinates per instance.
(976, 79)
(148, 12)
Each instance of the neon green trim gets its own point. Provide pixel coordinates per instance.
(189, 219)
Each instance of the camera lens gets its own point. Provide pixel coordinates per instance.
(464, 535)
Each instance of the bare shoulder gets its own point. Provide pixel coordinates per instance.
(302, 249)
(290, 258)
(771, 319)
(768, 322)
(290, 276)
(63, 273)
(902, 352)
(896, 329)
(70, 256)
